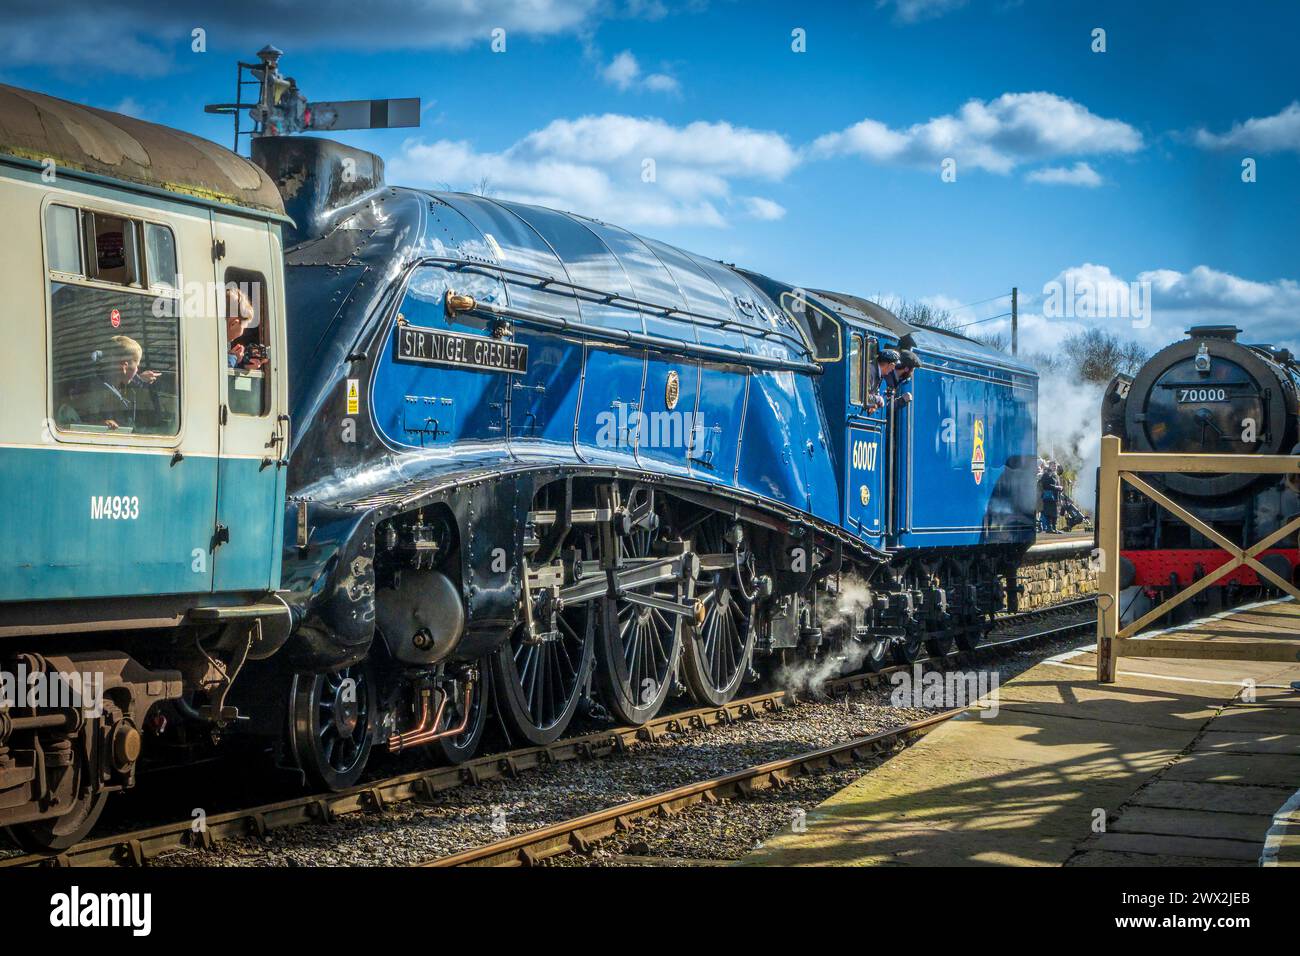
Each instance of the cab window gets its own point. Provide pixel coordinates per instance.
(248, 362)
(855, 369)
(115, 347)
(870, 370)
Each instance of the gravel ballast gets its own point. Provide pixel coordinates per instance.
(474, 815)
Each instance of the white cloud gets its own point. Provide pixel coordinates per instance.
(996, 135)
(1080, 174)
(128, 106)
(624, 72)
(662, 83)
(140, 37)
(1264, 311)
(646, 9)
(945, 303)
(760, 208)
(599, 166)
(719, 146)
(1267, 311)
(1266, 134)
(914, 11)
(1210, 295)
(88, 42)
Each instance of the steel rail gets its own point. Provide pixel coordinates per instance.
(581, 833)
(138, 847)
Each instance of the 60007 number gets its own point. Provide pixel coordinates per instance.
(864, 454)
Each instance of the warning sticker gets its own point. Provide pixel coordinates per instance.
(354, 396)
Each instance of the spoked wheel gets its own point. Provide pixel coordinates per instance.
(972, 636)
(59, 833)
(638, 646)
(875, 655)
(939, 645)
(717, 651)
(332, 717)
(907, 650)
(539, 678)
(463, 746)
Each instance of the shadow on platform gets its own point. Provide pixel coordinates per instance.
(1181, 770)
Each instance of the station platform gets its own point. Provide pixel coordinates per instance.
(1076, 538)
(1186, 762)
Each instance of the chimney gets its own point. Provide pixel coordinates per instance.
(320, 180)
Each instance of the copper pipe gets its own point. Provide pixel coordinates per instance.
(427, 731)
(423, 726)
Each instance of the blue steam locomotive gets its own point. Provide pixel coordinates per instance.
(305, 456)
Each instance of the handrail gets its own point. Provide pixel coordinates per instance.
(645, 340)
(606, 297)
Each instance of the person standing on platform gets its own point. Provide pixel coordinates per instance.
(1050, 490)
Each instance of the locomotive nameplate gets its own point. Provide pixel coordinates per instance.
(435, 347)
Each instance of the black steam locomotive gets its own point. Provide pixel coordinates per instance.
(1208, 394)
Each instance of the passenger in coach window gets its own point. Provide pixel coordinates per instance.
(113, 401)
(886, 362)
(243, 344)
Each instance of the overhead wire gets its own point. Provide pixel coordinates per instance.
(1001, 315)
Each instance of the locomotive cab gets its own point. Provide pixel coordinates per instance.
(867, 423)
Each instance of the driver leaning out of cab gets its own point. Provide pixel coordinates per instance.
(884, 366)
(908, 363)
(894, 369)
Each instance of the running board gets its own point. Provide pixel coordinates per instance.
(238, 612)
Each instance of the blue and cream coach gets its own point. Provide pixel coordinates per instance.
(141, 505)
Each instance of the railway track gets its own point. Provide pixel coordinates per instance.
(139, 847)
(581, 833)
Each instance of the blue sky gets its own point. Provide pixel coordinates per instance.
(821, 167)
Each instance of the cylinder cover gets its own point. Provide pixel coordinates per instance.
(422, 618)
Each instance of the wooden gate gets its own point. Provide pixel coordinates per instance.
(1120, 467)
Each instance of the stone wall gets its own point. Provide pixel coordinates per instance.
(1056, 572)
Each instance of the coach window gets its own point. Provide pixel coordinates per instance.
(114, 347)
(113, 249)
(248, 363)
(855, 369)
(63, 240)
(160, 256)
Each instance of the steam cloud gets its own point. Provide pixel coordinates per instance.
(1069, 430)
(840, 606)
